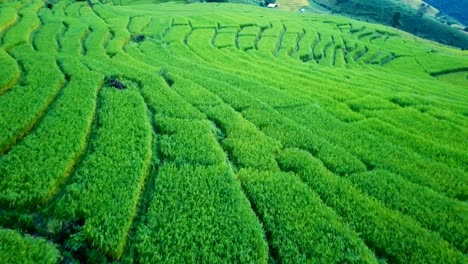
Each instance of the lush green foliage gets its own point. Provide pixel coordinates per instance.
(398, 237)
(19, 116)
(191, 198)
(313, 234)
(15, 248)
(138, 132)
(106, 188)
(433, 211)
(457, 9)
(61, 134)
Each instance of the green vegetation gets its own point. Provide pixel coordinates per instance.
(15, 248)
(401, 239)
(412, 16)
(61, 134)
(191, 198)
(147, 132)
(313, 234)
(106, 188)
(457, 9)
(438, 213)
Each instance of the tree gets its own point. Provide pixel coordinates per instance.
(422, 10)
(396, 19)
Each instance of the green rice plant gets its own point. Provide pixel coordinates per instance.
(19, 116)
(97, 38)
(295, 26)
(246, 42)
(427, 126)
(250, 31)
(443, 113)
(17, 248)
(248, 146)
(71, 42)
(274, 30)
(333, 156)
(458, 77)
(201, 37)
(294, 94)
(446, 216)
(301, 229)
(231, 28)
(22, 30)
(180, 142)
(16, 4)
(180, 21)
(199, 214)
(396, 237)
(267, 44)
(291, 134)
(194, 93)
(288, 44)
(338, 59)
(382, 154)
(318, 49)
(73, 9)
(8, 16)
(328, 53)
(137, 24)
(107, 184)
(413, 100)
(225, 39)
(349, 52)
(271, 123)
(199, 22)
(157, 26)
(178, 34)
(46, 38)
(305, 45)
(168, 103)
(38, 165)
(263, 87)
(429, 149)
(368, 55)
(119, 31)
(371, 103)
(441, 61)
(338, 40)
(9, 71)
(356, 49)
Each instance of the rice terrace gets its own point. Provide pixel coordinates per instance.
(138, 131)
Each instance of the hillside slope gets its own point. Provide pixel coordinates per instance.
(401, 14)
(137, 132)
(457, 9)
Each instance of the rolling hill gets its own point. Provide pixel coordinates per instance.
(144, 132)
(456, 9)
(412, 16)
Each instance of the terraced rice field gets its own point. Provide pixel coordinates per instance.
(221, 133)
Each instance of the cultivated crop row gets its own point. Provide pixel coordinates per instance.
(26, 249)
(107, 184)
(197, 205)
(397, 237)
(61, 136)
